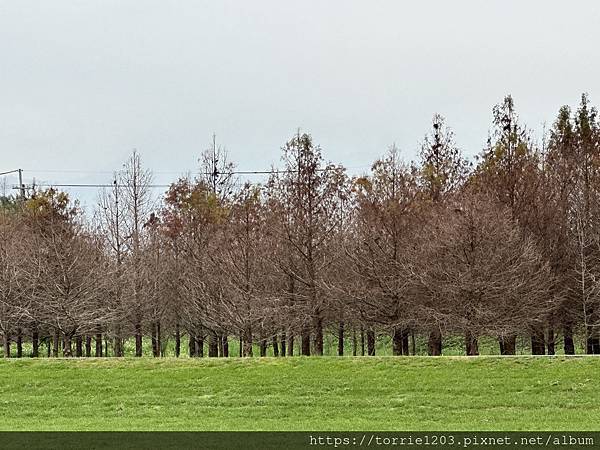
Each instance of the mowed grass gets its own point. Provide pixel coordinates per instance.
(368, 393)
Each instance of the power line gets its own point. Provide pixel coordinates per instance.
(159, 172)
(10, 171)
(240, 172)
(234, 172)
(153, 186)
(91, 185)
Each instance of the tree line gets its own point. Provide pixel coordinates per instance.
(504, 246)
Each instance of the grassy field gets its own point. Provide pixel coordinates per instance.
(377, 393)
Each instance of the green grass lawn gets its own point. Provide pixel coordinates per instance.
(328, 393)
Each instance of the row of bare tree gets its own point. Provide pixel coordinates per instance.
(506, 246)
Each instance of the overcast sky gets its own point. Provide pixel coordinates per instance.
(82, 83)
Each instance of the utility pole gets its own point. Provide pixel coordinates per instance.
(21, 185)
(215, 170)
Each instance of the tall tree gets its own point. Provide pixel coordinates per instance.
(136, 201)
(11, 251)
(509, 169)
(487, 277)
(386, 209)
(66, 264)
(561, 167)
(311, 194)
(443, 171)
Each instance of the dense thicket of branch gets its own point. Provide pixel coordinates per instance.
(437, 248)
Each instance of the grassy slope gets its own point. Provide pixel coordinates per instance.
(301, 394)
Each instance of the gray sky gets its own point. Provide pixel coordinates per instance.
(83, 83)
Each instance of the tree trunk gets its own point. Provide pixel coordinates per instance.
(6, 344)
(341, 339)
(291, 344)
(200, 346)
(508, 345)
(318, 335)
(213, 345)
(362, 341)
(138, 340)
(569, 343)
(434, 345)
(593, 345)
(159, 338)
(67, 349)
(551, 341)
(19, 343)
(263, 348)
(397, 348)
(405, 335)
(88, 346)
(225, 342)
(154, 338)
(241, 349)
(98, 340)
(78, 346)
(592, 342)
(537, 343)
(371, 342)
(35, 342)
(248, 343)
(275, 346)
(119, 350)
(177, 341)
(283, 347)
(192, 345)
(220, 349)
(354, 343)
(56, 343)
(305, 342)
(471, 346)
(413, 343)
(248, 346)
